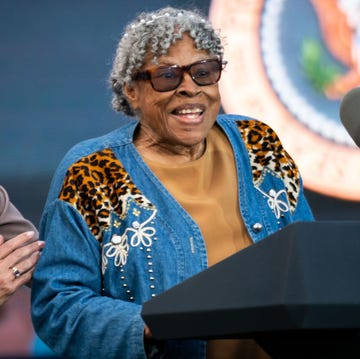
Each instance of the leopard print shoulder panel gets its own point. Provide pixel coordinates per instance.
(267, 154)
(97, 185)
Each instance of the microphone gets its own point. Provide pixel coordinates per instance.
(350, 114)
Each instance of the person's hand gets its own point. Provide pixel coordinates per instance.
(18, 257)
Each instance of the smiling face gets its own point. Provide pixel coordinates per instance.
(176, 121)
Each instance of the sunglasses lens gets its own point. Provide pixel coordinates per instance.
(206, 72)
(166, 78)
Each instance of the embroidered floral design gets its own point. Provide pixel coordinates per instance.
(275, 203)
(118, 247)
(141, 234)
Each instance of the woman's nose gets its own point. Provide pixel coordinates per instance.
(187, 86)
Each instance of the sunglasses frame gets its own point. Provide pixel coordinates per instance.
(148, 74)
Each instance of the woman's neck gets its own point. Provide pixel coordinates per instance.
(167, 153)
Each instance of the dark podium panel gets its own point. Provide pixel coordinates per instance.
(297, 292)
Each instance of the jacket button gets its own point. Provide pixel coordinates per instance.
(257, 227)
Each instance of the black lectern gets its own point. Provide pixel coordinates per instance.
(297, 292)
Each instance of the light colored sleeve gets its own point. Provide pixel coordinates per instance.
(12, 222)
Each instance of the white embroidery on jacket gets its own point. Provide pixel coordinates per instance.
(134, 236)
(141, 234)
(275, 203)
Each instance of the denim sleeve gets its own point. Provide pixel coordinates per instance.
(68, 311)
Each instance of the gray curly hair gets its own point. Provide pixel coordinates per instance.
(156, 32)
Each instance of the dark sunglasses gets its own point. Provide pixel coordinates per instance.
(168, 78)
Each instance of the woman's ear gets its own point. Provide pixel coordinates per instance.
(131, 92)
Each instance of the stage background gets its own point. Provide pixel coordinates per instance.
(55, 57)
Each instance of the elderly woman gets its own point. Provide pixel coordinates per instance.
(135, 212)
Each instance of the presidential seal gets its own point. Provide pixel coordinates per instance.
(289, 65)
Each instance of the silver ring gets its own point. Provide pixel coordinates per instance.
(16, 272)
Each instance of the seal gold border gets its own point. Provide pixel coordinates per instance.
(327, 167)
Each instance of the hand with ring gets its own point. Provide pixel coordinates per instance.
(18, 257)
(16, 272)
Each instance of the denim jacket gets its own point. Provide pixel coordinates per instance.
(115, 238)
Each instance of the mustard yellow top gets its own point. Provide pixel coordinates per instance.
(207, 189)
